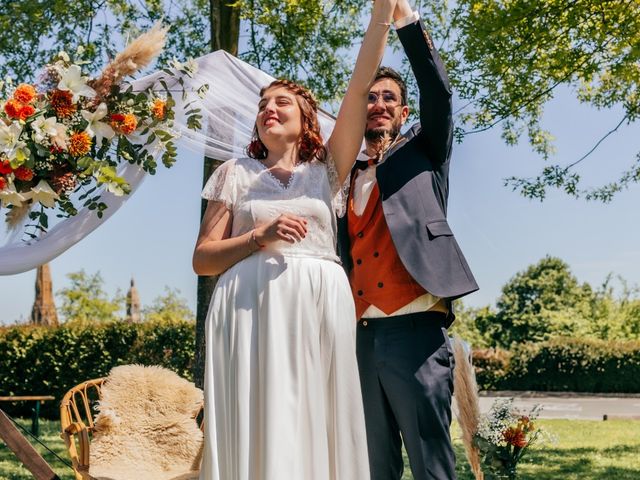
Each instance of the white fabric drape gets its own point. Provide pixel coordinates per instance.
(229, 109)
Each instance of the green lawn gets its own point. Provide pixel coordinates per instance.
(585, 450)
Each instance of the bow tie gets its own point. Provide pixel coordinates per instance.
(362, 165)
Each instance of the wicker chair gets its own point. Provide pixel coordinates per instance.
(77, 423)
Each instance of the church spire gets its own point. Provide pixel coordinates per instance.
(44, 308)
(133, 304)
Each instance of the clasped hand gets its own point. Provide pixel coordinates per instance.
(287, 227)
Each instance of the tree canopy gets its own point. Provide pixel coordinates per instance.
(85, 300)
(546, 300)
(506, 60)
(516, 54)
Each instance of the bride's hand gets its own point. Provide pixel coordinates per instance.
(383, 10)
(287, 227)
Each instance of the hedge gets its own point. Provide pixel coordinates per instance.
(49, 361)
(562, 365)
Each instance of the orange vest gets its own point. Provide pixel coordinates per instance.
(378, 276)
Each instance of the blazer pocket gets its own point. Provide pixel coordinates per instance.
(439, 228)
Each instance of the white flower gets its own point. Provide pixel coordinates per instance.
(9, 136)
(10, 196)
(42, 193)
(10, 143)
(96, 128)
(73, 81)
(63, 56)
(49, 127)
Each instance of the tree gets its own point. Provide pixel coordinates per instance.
(306, 41)
(466, 325)
(615, 313)
(542, 301)
(170, 307)
(508, 59)
(86, 301)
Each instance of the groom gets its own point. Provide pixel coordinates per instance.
(405, 266)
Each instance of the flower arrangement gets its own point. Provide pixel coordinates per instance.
(503, 438)
(496, 441)
(64, 136)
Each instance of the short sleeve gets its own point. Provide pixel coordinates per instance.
(221, 186)
(339, 192)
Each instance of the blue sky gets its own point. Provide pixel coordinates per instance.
(152, 236)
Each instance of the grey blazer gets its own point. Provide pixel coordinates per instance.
(414, 181)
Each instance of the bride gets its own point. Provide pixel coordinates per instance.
(282, 392)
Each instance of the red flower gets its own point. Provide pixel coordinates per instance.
(514, 436)
(5, 167)
(17, 110)
(23, 173)
(12, 108)
(3, 183)
(26, 111)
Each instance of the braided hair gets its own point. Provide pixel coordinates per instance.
(310, 144)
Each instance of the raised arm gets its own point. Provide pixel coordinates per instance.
(433, 84)
(346, 139)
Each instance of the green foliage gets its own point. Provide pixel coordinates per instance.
(85, 300)
(466, 324)
(491, 366)
(32, 31)
(305, 41)
(49, 361)
(543, 301)
(508, 59)
(505, 59)
(561, 364)
(546, 301)
(169, 307)
(574, 365)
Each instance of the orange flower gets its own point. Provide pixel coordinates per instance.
(514, 436)
(62, 103)
(23, 173)
(124, 123)
(79, 144)
(25, 93)
(159, 109)
(3, 183)
(13, 108)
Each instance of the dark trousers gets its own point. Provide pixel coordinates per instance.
(406, 372)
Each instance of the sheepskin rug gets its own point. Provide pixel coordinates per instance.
(145, 428)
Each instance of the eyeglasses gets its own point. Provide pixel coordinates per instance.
(388, 98)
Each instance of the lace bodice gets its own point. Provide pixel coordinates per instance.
(255, 197)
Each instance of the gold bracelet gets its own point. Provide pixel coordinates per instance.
(255, 240)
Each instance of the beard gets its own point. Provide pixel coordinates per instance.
(375, 135)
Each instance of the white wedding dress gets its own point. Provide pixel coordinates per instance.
(282, 392)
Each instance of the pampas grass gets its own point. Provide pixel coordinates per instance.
(468, 412)
(16, 216)
(137, 55)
